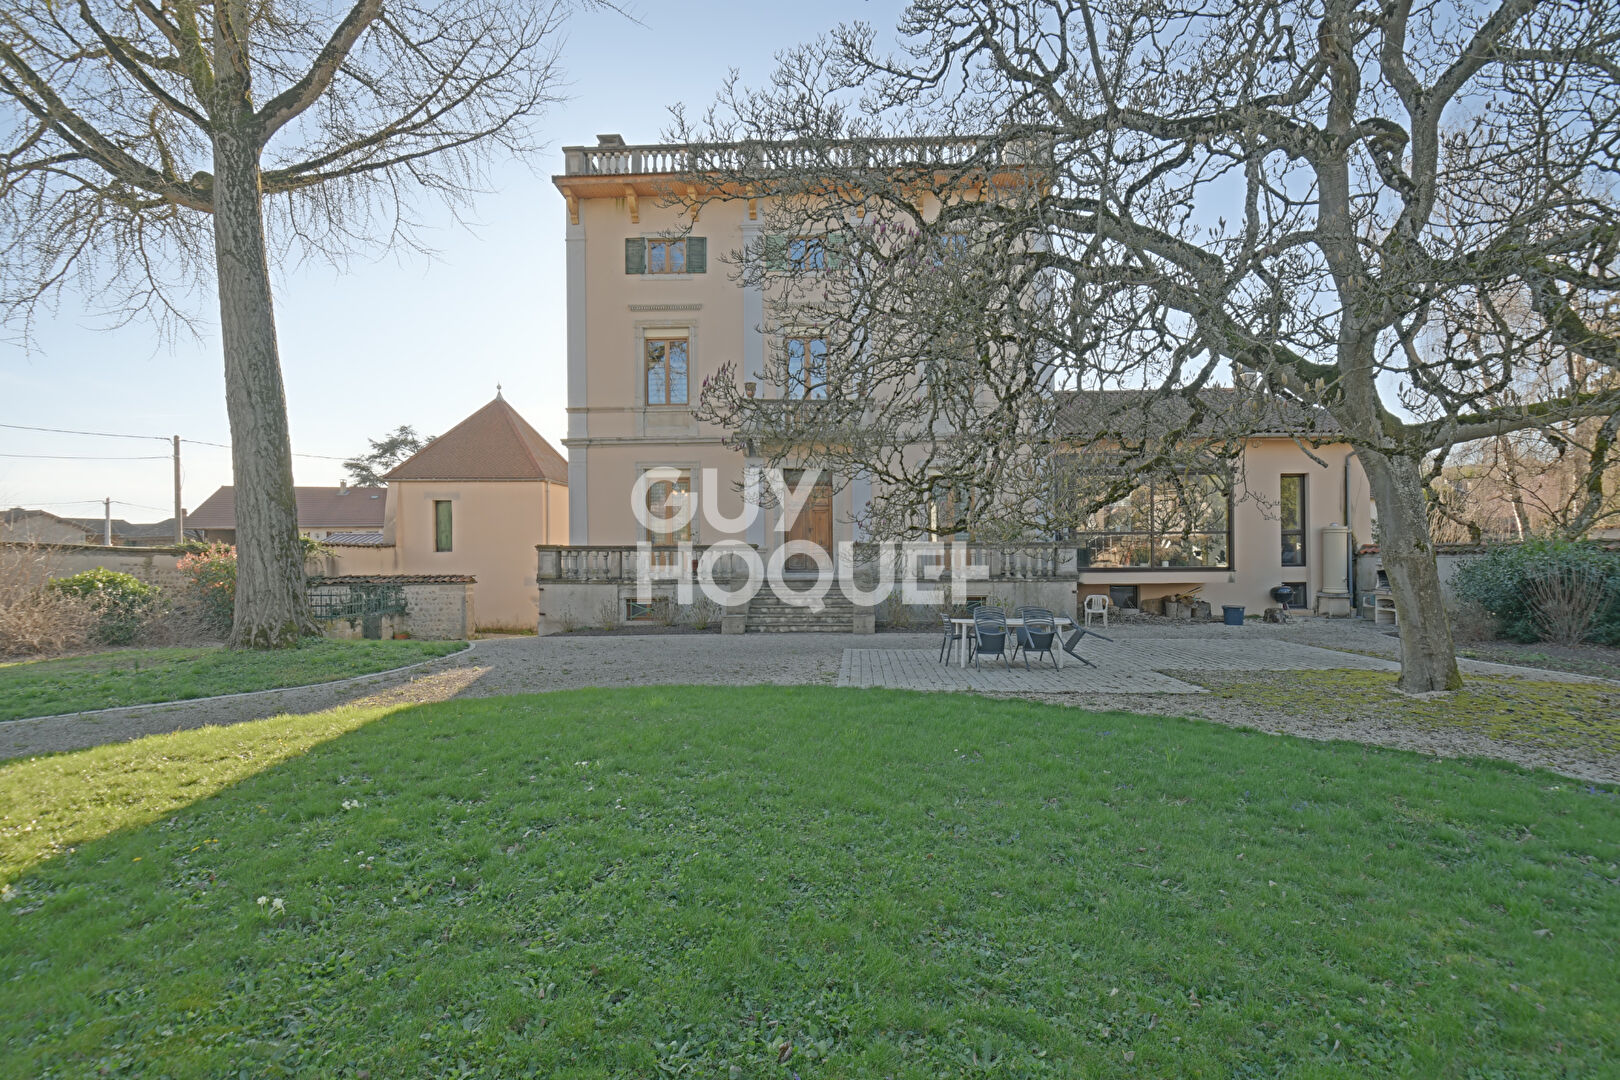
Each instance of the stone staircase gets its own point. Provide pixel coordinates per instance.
(768, 613)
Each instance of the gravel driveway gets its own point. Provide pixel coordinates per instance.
(519, 665)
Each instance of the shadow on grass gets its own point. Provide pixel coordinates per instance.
(847, 882)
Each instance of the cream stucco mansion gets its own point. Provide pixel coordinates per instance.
(652, 311)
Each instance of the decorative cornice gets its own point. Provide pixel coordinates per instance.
(666, 307)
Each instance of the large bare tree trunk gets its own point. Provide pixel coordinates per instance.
(272, 606)
(1428, 658)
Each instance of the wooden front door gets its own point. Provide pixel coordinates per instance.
(814, 523)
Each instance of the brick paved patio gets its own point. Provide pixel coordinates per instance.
(1127, 665)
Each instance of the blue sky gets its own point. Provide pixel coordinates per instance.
(404, 340)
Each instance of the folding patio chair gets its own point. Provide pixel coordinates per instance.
(1070, 645)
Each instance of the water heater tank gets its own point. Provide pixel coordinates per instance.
(1335, 561)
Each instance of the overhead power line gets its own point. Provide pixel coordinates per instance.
(122, 435)
(95, 502)
(92, 457)
(97, 434)
(227, 446)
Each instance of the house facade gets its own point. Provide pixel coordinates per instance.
(653, 312)
(475, 501)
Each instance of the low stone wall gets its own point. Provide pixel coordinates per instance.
(438, 607)
(153, 565)
(566, 606)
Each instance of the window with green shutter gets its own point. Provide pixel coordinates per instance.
(441, 525)
(775, 251)
(655, 255)
(809, 252)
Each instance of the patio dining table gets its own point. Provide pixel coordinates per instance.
(964, 630)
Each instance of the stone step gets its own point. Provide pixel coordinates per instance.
(769, 613)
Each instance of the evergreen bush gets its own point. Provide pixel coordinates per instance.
(1513, 583)
(122, 602)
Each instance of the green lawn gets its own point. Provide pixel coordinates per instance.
(770, 882)
(139, 676)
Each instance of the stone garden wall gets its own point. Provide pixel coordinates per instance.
(153, 565)
(438, 607)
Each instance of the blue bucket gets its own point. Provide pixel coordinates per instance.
(1233, 614)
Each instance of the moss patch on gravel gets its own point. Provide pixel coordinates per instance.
(1562, 715)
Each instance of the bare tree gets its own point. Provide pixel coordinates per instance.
(152, 148)
(1156, 192)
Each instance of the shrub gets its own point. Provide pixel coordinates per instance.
(211, 574)
(122, 603)
(36, 620)
(1547, 590)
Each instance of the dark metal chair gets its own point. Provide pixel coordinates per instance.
(990, 634)
(1073, 642)
(949, 629)
(1038, 633)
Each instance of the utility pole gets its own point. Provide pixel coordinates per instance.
(106, 522)
(179, 512)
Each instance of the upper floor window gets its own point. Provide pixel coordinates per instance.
(951, 245)
(807, 253)
(946, 510)
(810, 252)
(665, 368)
(806, 367)
(1292, 512)
(661, 255)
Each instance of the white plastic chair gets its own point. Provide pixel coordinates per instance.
(1096, 604)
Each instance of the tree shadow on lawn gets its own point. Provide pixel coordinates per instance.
(623, 882)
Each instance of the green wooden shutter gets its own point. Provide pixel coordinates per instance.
(635, 255)
(775, 251)
(697, 254)
(441, 525)
(834, 245)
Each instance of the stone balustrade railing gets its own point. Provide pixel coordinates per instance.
(617, 562)
(653, 160)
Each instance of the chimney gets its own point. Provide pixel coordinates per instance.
(610, 140)
(343, 487)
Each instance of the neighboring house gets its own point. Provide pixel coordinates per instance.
(477, 501)
(22, 526)
(41, 526)
(321, 511)
(136, 534)
(652, 316)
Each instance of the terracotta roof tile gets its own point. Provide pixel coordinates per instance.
(494, 443)
(318, 508)
(393, 579)
(365, 538)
